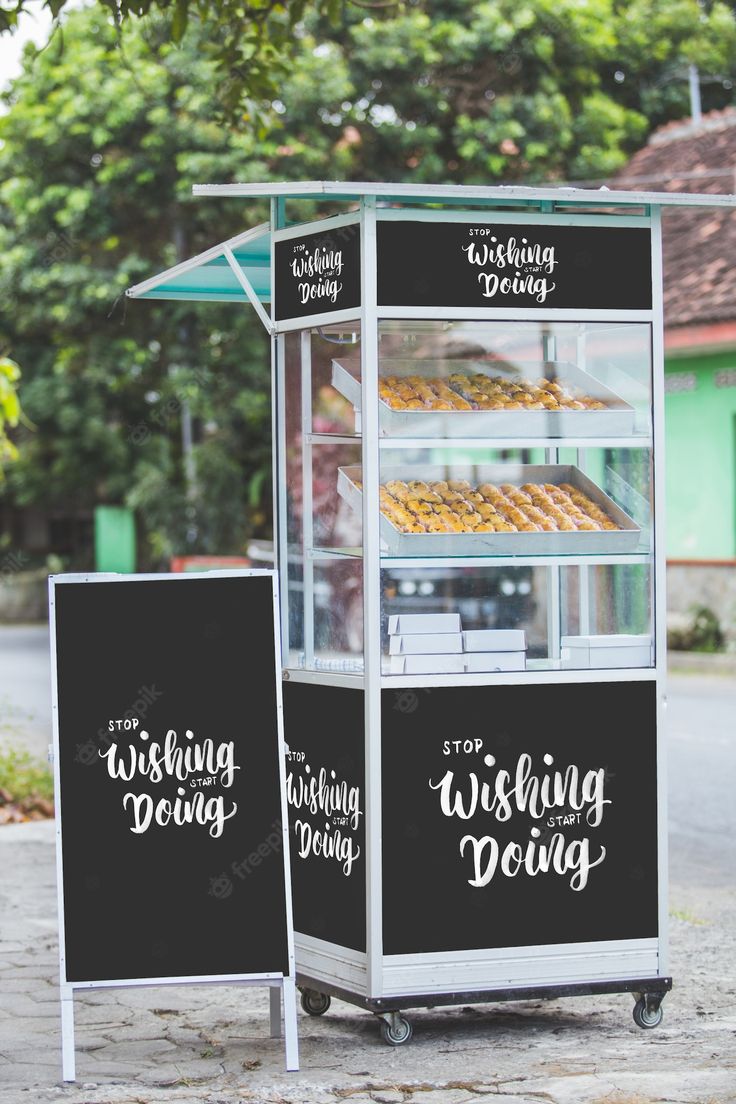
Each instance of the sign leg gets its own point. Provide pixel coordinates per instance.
(67, 1035)
(275, 1006)
(290, 1024)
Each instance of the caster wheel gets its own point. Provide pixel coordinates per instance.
(314, 1003)
(647, 1017)
(396, 1033)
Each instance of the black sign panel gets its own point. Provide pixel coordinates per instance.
(518, 816)
(325, 789)
(170, 782)
(318, 272)
(459, 264)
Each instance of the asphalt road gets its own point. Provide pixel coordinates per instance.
(701, 716)
(701, 724)
(25, 688)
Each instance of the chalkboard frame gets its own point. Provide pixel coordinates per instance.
(342, 231)
(277, 982)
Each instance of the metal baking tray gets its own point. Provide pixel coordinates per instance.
(396, 543)
(617, 420)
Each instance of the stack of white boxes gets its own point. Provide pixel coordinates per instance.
(612, 650)
(434, 643)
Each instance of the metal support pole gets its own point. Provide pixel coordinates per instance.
(554, 581)
(696, 110)
(371, 600)
(274, 997)
(290, 1026)
(307, 505)
(67, 1033)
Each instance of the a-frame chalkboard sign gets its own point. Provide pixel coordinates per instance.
(172, 836)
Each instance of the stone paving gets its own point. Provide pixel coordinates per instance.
(211, 1045)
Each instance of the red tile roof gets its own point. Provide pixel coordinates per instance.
(699, 246)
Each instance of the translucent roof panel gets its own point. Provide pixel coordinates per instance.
(210, 275)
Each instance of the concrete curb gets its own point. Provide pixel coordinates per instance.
(702, 663)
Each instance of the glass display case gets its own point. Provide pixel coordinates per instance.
(468, 551)
(515, 493)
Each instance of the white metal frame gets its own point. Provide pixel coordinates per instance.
(659, 611)
(278, 984)
(466, 194)
(393, 975)
(371, 599)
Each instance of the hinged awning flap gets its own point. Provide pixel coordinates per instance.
(210, 276)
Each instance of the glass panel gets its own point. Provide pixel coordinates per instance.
(333, 411)
(323, 528)
(338, 616)
(337, 524)
(516, 495)
(515, 618)
(491, 502)
(292, 489)
(515, 379)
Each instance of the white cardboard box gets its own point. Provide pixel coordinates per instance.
(427, 664)
(494, 640)
(477, 662)
(613, 650)
(426, 644)
(408, 623)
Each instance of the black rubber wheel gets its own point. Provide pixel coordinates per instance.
(314, 1003)
(397, 1035)
(644, 1017)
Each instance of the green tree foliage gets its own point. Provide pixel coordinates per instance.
(477, 92)
(107, 131)
(248, 40)
(9, 409)
(99, 149)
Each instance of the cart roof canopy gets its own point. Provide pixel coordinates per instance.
(212, 275)
(238, 270)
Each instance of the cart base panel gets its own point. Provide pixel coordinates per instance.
(655, 986)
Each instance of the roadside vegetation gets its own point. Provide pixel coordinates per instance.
(26, 787)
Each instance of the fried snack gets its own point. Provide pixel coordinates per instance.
(592, 509)
(514, 515)
(539, 518)
(423, 492)
(454, 506)
(418, 506)
(437, 524)
(478, 391)
(398, 489)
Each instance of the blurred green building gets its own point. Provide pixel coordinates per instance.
(700, 354)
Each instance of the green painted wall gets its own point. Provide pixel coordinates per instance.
(114, 539)
(700, 434)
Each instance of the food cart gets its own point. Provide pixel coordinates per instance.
(468, 484)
